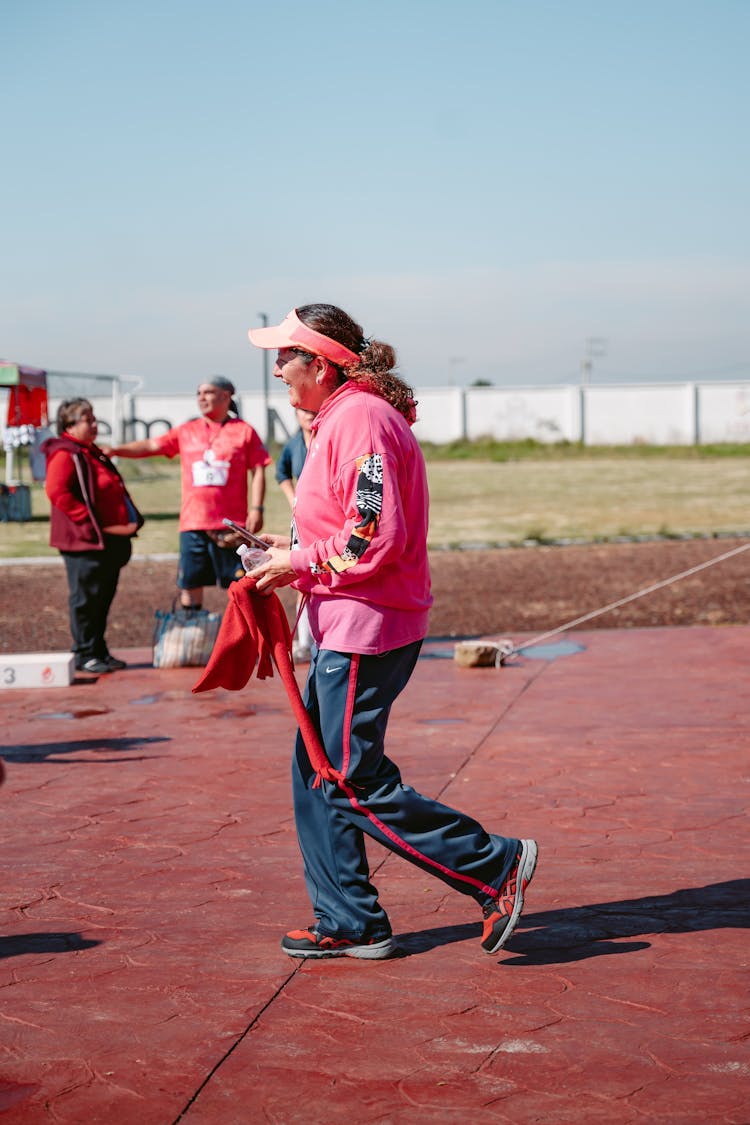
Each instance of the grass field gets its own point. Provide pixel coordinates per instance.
(490, 501)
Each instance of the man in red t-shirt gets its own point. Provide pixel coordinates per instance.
(217, 452)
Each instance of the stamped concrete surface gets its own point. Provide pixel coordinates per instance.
(150, 868)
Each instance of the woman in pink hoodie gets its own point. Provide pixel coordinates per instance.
(359, 552)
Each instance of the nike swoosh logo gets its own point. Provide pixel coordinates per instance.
(327, 670)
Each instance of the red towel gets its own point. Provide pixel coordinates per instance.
(254, 629)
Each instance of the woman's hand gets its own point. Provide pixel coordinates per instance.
(254, 521)
(276, 570)
(280, 541)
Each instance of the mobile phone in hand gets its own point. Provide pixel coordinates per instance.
(247, 535)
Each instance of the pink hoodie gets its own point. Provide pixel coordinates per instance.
(359, 533)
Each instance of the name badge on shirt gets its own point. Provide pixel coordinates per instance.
(210, 472)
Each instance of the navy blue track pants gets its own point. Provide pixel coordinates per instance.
(349, 698)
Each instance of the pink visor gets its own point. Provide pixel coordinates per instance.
(292, 333)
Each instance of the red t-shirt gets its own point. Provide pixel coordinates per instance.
(215, 458)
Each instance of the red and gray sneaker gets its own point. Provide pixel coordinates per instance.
(311, 943)
(501, 916)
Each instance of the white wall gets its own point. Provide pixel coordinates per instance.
(546, 414)
(649, 413)
(653, 414)
(440, 414)
(723, 412)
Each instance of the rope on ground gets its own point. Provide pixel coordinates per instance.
(503, 655)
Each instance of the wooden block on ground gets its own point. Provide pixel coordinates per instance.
(482, 654)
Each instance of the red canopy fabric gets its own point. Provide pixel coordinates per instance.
(27, 402)
(27, 406)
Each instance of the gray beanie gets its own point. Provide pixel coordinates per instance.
(222, 383)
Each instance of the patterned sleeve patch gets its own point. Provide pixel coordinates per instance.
(369, 507)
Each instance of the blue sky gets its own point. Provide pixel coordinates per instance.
(485, 185)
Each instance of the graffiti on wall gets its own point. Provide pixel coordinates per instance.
(137, 428)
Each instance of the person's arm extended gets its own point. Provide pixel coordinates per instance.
(257, 496)
(146, 447)
(287, 487)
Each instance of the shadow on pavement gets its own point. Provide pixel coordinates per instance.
(18, 944)
(46, 751)
(576, 933)
(573, 934)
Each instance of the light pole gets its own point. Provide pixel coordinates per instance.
(595, 346)
(453, 363)
(266, 407)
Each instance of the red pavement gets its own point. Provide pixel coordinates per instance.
(151, 867)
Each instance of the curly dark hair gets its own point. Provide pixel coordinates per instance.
(374, 372)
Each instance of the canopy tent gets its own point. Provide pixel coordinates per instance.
(27, 401)
(16, 374)
(27, 410)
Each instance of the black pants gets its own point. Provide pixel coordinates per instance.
(92, 584)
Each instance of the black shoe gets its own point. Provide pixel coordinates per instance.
(311, 943)
(115, 665)
(95, 666)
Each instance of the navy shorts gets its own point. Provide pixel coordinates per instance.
(205, 563)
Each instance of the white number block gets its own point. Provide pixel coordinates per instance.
(36, 669)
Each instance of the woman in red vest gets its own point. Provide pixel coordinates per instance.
(92, 521)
